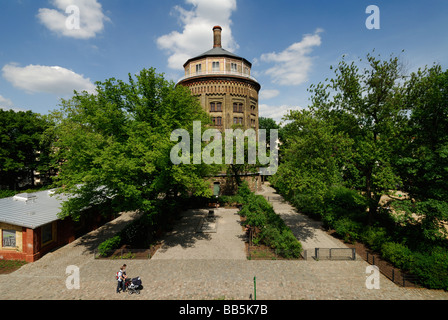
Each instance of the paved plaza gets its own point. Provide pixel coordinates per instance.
(204, 266)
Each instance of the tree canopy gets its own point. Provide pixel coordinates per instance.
(22, 151)
(114, 146)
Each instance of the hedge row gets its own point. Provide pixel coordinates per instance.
(274, 232)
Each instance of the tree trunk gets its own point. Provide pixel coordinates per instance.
(370, 198)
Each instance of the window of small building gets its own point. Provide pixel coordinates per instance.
(215, 66)
(233, 67)
(9, 239)
(47, 234)
(212, 107)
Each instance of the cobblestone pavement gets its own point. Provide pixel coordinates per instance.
(196, 279)
(224, 239)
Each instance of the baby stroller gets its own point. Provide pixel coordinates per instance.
(134, 285)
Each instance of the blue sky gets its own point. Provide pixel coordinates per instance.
(292, 44)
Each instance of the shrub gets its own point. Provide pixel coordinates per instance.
(343, 202)
(105, 248)
(274, 232)
(398, 254)
(283, 241)
(308, 204)
(244, 192)
(348, 229)
(432, 268)
(375, 237)
(7, 193)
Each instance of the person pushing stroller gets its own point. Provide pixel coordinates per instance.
(121, 278)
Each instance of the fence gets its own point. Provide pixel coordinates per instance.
(127, 254)
(335, 254)
(395, 275)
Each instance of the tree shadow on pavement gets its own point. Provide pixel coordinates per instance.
(185, 232)
(92, 240)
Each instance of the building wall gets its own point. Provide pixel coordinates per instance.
(228, 185)
(228, 92)
(19, 241)
(225, 65)
(30, 246)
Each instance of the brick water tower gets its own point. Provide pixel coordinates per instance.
(223, 83)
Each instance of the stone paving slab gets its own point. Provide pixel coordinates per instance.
(185, 242)
(213, 279)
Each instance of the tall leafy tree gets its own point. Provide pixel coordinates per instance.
(314, 155)
(367, 104)
(22, 152)
(114, 146)
(424, 160)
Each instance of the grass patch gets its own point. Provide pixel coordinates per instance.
(9, 266)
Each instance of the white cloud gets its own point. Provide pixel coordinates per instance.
(197, 36)
(276, 112)
(293, 65)
(5, 103)
(91, 18)
(269, 94)
(54, 80)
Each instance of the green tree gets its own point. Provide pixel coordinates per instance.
(367, 105)
(424, 159)
(22, 150)
(114, 146)
(313, 157)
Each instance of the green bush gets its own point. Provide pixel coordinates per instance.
(375, 237)
(348, 229)
(283, 241)
(244, 192)
(274, 232)
(230, 200)
(7, 193)
(432, 268)
(105, 248)
(398, 254)
(308, 204)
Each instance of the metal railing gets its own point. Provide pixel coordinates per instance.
(395, 275)
(330, 254)
(218, 73)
